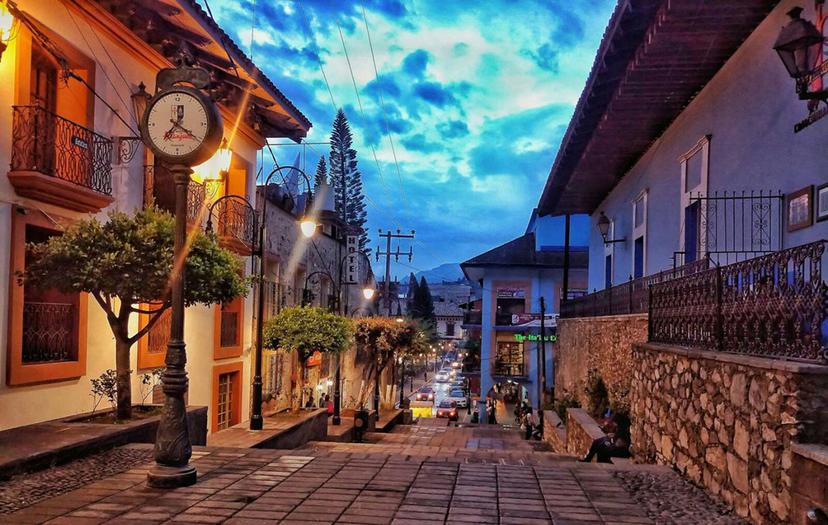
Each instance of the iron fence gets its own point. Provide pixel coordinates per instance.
(774, 305)
(159, 191)
(630, 297)
(49, 144)
(48, 330)
(236, 220)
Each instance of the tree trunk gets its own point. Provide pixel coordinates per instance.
(124, 378)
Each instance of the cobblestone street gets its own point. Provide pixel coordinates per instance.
(418, 475)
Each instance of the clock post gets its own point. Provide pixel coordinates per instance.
(183, 128)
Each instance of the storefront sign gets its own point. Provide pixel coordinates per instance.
(511, 293)
(352, 260)
(535, 337)
(529, 317)
(314, 360)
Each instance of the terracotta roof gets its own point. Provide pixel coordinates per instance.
(521, 252)
(656, 55)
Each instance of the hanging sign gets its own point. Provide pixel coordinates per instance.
(511, 293)
(551, 338)
(314, 360)
(352, 260)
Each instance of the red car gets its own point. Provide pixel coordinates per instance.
(447, 409)
(425, 394)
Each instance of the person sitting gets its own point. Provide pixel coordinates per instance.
(609, 446)
(309, 402)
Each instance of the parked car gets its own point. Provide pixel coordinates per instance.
(457, 365)
(458, 384)
(442, 377)
(447, 409)
(425, 394)
(458, 397)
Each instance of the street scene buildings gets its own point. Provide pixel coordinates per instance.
(576, 275)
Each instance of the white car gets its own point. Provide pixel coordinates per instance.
(442, 377)
(458, 397)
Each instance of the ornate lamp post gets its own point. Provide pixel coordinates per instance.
(603, 228)
(183, 127)
(799, 46)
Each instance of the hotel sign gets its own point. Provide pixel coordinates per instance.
(352, 260)
(535, 337)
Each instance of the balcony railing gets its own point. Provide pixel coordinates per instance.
(272, 301)
(774, 305)
(472, 318)
(48, 330)
(46, 143)
(630, 297)
(236, 221)
(159, 190)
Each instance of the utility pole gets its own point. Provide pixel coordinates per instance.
(565, 287)
(388, 236)
(542, 354)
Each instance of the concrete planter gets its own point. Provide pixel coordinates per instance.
(41, 445)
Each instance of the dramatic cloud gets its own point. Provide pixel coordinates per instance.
(476, 97)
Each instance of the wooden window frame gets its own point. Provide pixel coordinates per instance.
(146, 359)
(609, 250)
(702, 147)
(640, 231)
(229, 368)
(227, 352)
(18, 373)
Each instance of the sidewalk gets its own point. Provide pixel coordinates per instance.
(284, 430)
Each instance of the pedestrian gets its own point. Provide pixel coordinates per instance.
(527, 419)
(309, 403)
(609, 446)
(492, 408)
(329, 404)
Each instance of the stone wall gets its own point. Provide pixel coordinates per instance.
(554, 431)
(728, 422)
(809, 481)
(576, 437)
(597, 346)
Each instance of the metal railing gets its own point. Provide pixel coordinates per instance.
(49, 144)
(272, 299)
(774, 305)
(630, 297)
(236, 220)
(159, 191)
(48, 330)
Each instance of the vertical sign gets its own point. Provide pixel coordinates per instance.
(352, 260)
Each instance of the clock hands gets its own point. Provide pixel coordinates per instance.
(177, 124)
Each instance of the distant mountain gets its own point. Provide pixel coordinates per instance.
(449, 273)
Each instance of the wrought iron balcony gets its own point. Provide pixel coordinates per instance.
(774, 305)
(159, 191)
(236, 224)
(630, 297)
(58, 161)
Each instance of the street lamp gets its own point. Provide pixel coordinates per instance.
(603, 227)
(368, 293)
(6, 26)
(799, 46)
(256, 419)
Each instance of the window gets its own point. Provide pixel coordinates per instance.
(608, 271)
(226, 398)
(508, 359)
(47, 328)
(640, 235)
(228, 331)
(450, 329)
(152, 348)
(694, 176)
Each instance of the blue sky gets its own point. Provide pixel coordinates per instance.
(476, 97)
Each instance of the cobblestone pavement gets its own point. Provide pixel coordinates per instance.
(671, 500)
(23, 490)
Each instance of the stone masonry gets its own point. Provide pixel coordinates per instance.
(728, 422)
(597, 346)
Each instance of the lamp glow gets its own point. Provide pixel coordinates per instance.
(368, 292)
(6, 26)
(308, 227)
(215, 167)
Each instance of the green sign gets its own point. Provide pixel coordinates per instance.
(535, 337)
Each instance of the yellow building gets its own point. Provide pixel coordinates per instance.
(70, 77)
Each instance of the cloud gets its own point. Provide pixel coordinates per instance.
(453, 129)
(415, 63)
(435, 94)
(545, 56)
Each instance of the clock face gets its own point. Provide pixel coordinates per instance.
(177, 124)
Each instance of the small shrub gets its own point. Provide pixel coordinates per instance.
(597, 395)
(568, 401)
(149, 381)
(105, 386)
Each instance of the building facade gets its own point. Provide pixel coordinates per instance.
(71, 75)
(515, 277)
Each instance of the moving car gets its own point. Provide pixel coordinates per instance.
(457, 365)
(458, 397)
(425, 394)
(442, 376)
(447, 409)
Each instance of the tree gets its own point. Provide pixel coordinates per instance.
(379, 341)
(346, 179)
(412, 291)
(130, 258)
(423, 303)
(321, 173)
(305, 330)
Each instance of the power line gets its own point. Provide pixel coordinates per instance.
(317, 54)
(382, 106)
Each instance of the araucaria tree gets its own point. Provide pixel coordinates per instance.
(125, 264)
(306, 330)
(321, 174)
(346, 178)
(423, 304)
